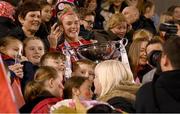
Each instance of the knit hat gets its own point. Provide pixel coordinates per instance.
(7, 10)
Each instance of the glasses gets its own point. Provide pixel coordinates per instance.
(89, 22)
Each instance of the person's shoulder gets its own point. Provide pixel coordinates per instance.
(145, 90)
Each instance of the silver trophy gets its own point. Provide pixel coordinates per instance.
(101, 51)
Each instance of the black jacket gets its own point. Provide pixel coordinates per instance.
(6, 24)
(29, 70)
(163, 95)
(144, 23)
(18, 33)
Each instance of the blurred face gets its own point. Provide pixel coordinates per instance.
(13, 48)
(130, 15)
(143, 56)
(176, 13)
(132, 2)
(98, 87)
(88, 22)
(71, 26)
(34, 50)
(46, 13)
(151, 12)
(117, 2)
(120, 30)
(50, 1)
(32, 21)
(58, 86)
(85, 70)
(58, 64)
(85, 90)
(92, 5)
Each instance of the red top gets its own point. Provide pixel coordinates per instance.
(45, 105)
(75, 44)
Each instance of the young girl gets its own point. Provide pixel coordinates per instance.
(11, 49)
(69, 20)
(78, 87)
(138, 58)
(33, 49)
(42, 92)
(70, 23)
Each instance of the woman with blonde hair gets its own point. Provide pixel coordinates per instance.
(114, 83)
(138, 58)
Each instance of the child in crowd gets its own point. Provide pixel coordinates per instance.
(77, 95)
(33, 49)
(11, 49)
(42, 92)
(78, 87)
(55, 60)
(45, 28)
(84, 68)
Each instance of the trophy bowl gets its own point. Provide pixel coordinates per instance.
(96, 52)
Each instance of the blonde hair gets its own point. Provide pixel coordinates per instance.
(112, 73)
(115, 20)
(134, 53)
(142, 34)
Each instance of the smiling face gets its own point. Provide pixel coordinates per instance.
(46, 13)
(34, 50)
(71, 26)
(143, 55)
(176, 13)
(31, 21)
(58, 64)
(120, 30)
